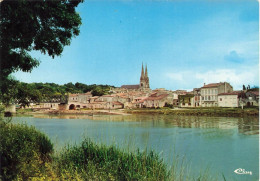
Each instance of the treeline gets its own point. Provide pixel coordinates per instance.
(24, 93)
(56, 89)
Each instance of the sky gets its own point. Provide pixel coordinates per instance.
(183, 43)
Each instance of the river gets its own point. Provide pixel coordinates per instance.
(213, 145)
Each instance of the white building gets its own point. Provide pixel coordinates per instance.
(228, 99)
(209, 93)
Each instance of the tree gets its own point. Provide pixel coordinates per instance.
(26, 94)
(45, 26)
(244, 87)
(8, 90)
(98, 91)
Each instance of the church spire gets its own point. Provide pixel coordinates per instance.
(144, 79)
(146, 72)
(142, 73)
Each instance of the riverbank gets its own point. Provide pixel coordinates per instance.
(73, 112)
(216, 111)
(226, 112)
(28, 154)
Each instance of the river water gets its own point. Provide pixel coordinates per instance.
(211, 145)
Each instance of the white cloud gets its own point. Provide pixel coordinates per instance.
(193, 79)
(236, 78)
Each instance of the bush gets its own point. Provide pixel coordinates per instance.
(109, 162)
(22, 151)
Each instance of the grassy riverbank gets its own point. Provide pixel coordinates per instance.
(28, 154)
(201, 111)
(216, 111)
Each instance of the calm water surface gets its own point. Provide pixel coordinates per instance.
(218, 143)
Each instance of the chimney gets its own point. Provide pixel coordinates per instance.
(204, 84)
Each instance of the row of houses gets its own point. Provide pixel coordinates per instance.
(131, 99)
(209, 95)
(218, 95)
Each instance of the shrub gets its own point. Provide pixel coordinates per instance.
(22, 148)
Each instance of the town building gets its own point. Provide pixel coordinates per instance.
(186, 100)
(79, 100)
(155, 100)
(197, 97)
(209, 93)
(228, 99)
(252, 98)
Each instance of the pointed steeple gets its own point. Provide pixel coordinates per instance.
(146, 72)
(142, 73)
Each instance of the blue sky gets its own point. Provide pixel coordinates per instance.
(183, 43)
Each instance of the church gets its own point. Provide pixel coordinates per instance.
(144, 81)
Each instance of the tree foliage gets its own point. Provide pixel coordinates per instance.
(45, 26)
(25, 26)
(25, 93)
(8, 90)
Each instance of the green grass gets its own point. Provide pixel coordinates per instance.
(111, 162)
(213, 111)
(23, 111)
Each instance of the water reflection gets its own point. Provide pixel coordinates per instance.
(245, 125)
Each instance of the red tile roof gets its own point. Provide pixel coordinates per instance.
(153, 97)
(73, 95)
(108, 96)
(212, 85)
(117, 103)
(131, 86)
(230, 93)
(255, 92)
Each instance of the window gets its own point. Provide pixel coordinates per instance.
(202, 98)
(209, 97)
(220, 99)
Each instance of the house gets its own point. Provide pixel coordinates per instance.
(197, 97)
(155, 100)
(79, 100)
(115, 105)
(209, 93)
(230, 99)
(186, 100)
(252, 98)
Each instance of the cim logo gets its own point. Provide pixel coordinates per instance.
(242, 171)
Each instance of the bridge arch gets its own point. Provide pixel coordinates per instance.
(72, 107)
